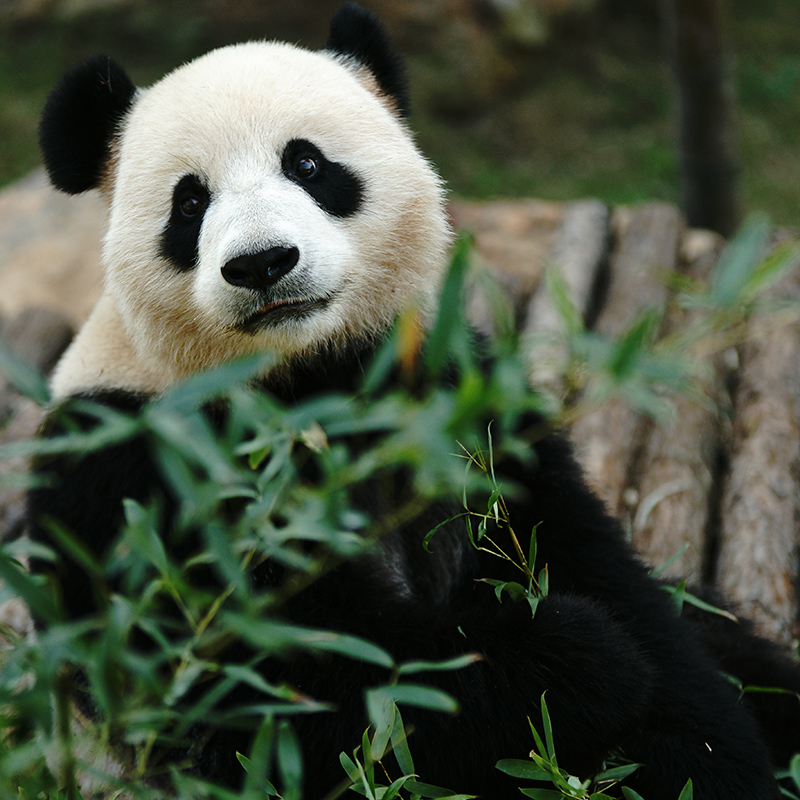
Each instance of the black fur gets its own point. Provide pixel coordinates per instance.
(619, 668)
(180, 238)
(333, 186)
(80, 119)
(743, 654)
(123, 470)
(359, 34)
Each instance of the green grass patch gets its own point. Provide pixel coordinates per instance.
(589, 114)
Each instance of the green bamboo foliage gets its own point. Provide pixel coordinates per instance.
(437, 434)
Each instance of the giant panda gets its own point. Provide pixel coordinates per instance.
(266, 198)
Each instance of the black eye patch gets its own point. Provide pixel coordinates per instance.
(179, 240)
(333, 186)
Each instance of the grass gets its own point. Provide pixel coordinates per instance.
(589, 114)
(585, 117)
(32, 56)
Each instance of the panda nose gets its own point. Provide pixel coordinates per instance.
(261, 270)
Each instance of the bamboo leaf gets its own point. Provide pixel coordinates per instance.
(738, 261)
(543, 794)
(276, 636)
(260, 757)
(394, 788)
(193, 393)
(794, 769)
(565, 307)
(630, 794)
(617, 773)
(449, 319)
(533, 547)
(522, 769)
(434, 792)
(459, 662)
(431, 533)
(548, 731)
(349, 767)
(781, 260)
(26, 379)
(400, 745)
(290, 761)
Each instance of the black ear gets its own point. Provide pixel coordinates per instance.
(80, 118)
(359, 34)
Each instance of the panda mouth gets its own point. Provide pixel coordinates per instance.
(283, 310)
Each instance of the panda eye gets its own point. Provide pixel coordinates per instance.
(179, 239)
(190, 205)
(335, 187)
(306, 167)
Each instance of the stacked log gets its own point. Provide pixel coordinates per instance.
(710, 493)
(758, 549)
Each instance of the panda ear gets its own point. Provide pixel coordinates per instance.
(79, 121)
(359, 34)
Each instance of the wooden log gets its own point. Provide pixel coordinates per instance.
(580, 254)
(679, 465)
(50, 248)
(22, 425)
(513, 240)
(609, 438)
(514, 236)
(757, 563)
(38, 336)
(704, 84)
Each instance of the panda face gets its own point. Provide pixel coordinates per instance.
(265, 197)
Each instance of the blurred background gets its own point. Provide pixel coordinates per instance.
(555, 99)
(689, 103)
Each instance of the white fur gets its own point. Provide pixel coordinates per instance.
(227, 117)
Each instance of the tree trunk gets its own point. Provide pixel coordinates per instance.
(702, 71)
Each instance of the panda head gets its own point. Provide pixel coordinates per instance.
(262, 197)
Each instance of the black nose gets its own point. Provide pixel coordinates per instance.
(261, 270)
